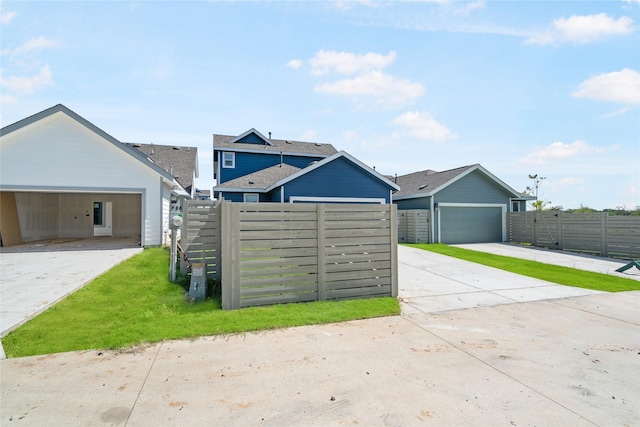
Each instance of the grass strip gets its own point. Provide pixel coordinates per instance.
(551, 273)
(135, 303)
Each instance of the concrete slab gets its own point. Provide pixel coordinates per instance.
(592, 263)
(535, 363)
(35, 276)
(431, 282)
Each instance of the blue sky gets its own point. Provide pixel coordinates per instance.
(546, 87)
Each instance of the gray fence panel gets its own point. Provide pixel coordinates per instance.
(593, 233)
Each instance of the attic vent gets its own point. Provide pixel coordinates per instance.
(318, 145)
(423, 186)
(288, 142)
(136, 145)
(176, 148)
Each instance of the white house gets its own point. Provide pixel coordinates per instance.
(61, 176)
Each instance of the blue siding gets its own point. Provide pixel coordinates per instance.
(339, 178)
(252, 138)
(247, 163)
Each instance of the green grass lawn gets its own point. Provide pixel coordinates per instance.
(551, 273)
(135, 303)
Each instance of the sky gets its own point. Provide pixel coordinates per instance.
(550, 88)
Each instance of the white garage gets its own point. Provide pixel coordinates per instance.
(61, 176)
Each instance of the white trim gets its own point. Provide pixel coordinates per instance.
(248, 132)
(372, 200)
(433, 221)
(503, 207)
(328, 160)
(275, 151)
(244, 197)
(282, 194)
(233, 160)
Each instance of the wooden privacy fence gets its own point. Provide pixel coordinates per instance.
(596, 233)
(271, 253)
(414, 226)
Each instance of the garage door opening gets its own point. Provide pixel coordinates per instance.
(470, 223)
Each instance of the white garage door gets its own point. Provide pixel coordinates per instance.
(471, 223)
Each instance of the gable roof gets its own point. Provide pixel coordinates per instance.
(428, 182)
(275, 176)
(59, 108)
(271, 146)
(259, 181)
(181, 162)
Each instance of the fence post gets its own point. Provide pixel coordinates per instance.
(322, 266)
(230, 254)
(603, 234)
(559, 243)
(393, 248)
(534, 227)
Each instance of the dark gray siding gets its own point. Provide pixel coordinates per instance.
(473, 188)
(470, 225)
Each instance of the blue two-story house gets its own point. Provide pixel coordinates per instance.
(253, 168)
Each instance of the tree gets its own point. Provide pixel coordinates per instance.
(537, 181)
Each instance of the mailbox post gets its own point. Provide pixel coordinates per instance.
(174, 224)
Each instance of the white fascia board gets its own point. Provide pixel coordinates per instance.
(250, 131)
(275, 153)
(240, 190)
(326, 160)
(61, 109)
(372, 200)
(484, 171)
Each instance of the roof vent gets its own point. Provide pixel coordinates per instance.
(288, 142)
(251, 182)
(423, 186)
(176, 148)
(318, 145)
(136, 145)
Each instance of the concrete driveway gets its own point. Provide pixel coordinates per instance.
(35, 276)
(554, 359)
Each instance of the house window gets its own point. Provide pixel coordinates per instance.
(251, 198)
(515, 206)
(98, 213)
(228, 160)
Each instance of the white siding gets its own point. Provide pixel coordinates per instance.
(58, 154)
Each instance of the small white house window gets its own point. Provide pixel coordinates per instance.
(228, 160)
(251, 198)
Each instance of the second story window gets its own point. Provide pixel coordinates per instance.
(228, 160)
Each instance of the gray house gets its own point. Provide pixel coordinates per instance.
(466, 204)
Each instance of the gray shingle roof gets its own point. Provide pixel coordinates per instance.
(425, 182)
(181, 162)
(222, 142)
(261, 179)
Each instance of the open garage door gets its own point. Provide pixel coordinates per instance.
(460, 223)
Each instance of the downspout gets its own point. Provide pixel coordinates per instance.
(433, 219)
(282, 194)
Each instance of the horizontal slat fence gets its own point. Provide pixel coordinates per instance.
(200, 237)
(276, 253)
(595, 233)
(414, 226)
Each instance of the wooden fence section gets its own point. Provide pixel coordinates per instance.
(414, 226)
(277, 253)
(595, 233)
(201, 233)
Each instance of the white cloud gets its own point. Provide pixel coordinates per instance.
(27, 85)
(324, 62)
(470, 7)
(33, 44)
(567, 182)
(421, 125)
(294, 63)
(309, 135)
(582, 29)
(382, 89)
(561, 151)
(7, 17)
(619, 86)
